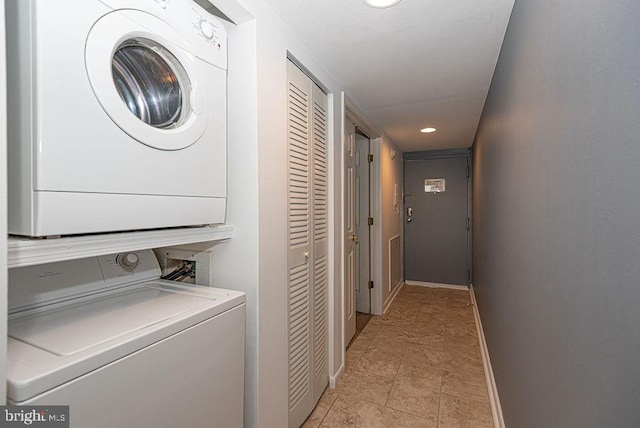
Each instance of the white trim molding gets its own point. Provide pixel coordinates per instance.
(392, 284)
(436, 285)
(392, 297)
(335, 378)
(377, 303)
(494, 400)
(336, 330)
(354, 114)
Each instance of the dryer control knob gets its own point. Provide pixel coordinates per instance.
(128, 261)
(207, 28)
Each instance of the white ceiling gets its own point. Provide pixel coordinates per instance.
(420, 63)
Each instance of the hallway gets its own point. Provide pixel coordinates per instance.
(419, 365)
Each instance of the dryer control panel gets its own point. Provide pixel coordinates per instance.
(210, 30)
(203, 32)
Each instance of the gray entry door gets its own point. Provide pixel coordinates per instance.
(436, 221)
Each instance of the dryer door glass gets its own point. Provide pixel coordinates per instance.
(151, 82)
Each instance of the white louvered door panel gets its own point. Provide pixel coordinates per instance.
(299, 112)
(299, 336)
(320, 243)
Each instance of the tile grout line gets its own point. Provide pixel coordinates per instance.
(444, 341)
(355, 369)
(365, 349)
(439, 401)
(404, 412)
(404, 355)
(395, 377)
(328, 410)
(467, 398)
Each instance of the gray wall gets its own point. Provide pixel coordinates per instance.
(557, 215)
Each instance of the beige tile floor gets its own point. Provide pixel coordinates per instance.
(419, 365)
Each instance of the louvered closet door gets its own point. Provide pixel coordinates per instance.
(300, 334)
(307, 256)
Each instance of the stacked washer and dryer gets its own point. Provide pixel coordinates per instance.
(117, 122)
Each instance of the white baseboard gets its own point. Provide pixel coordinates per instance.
(437, 285)
(333, 379)
(392, 297)
(494, 400)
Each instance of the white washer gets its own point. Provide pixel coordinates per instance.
(122, 348)
(115, 104)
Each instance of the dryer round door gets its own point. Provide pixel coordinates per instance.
(145, 79)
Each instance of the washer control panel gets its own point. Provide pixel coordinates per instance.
(128, 261)
(129, 265)
(33, 286)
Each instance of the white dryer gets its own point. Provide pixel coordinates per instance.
(122, 348)
(117, 115)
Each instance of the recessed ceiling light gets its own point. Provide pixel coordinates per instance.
(380, 4)
(428, 130)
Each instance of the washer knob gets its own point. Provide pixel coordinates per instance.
(207, 28)
(128, 261)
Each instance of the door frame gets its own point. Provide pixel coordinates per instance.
(448, 154)
(355, 116)
(363, 165)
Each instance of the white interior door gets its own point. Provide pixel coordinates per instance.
(363, 248)
(350, 232)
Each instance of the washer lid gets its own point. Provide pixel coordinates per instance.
(81, 326)
(52, 345)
